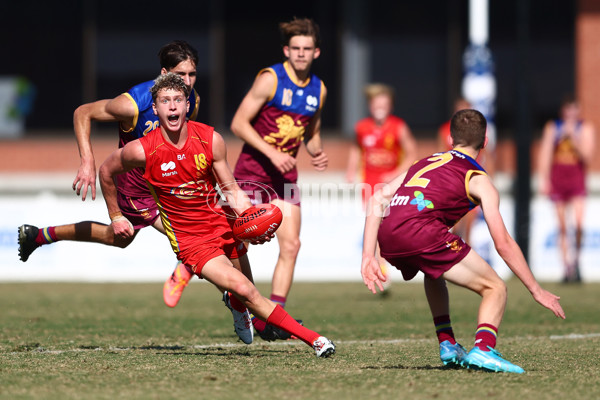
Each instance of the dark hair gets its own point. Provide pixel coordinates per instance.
(169, 81)
(568, 99)
(467, 128)
(299, 27)
(171, 54)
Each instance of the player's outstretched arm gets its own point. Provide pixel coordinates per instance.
(482, 189)
(122, 160)
(118, 109)
(241, 125)
(82, 125)
(370, 268)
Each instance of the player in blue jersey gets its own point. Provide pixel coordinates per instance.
(133, 111)
(282, 110)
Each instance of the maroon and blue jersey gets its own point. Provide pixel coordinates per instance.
(433, 197)
(567, 174)
(281, 122)
(132, 183)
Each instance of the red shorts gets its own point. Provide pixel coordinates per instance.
(434, 262)
(196, 257)
(140, 211)
(567, 181)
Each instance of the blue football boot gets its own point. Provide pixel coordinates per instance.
(452, 354)
(489, 361)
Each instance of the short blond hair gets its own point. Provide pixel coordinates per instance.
(375, 89)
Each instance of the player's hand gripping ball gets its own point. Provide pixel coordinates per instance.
(257, 223)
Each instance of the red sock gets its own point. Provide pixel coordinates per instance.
(281, 319)
(46, 235)
(486, 336)
(278, 299)
(258, 324)
(236, 304)
(443, 329)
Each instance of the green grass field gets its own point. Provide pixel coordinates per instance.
(107, 341)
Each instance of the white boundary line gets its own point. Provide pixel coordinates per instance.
(571, 336)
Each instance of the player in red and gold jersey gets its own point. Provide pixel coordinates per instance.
(183, 162)
(567, 148)
(384, 146)
(421, 206)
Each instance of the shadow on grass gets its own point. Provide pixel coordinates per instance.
(419, 368)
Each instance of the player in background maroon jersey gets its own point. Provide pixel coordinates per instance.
(414, 235)
(567, 148)
(183, 162)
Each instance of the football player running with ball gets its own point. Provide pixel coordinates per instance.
(200, 236)
(414, 235)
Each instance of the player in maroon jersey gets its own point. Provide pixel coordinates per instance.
(282, 110)
(567, 148)
(422, 206)
(183, 162)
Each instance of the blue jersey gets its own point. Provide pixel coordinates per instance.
(132, 183)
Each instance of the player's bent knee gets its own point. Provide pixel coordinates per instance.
(245, 291)
(498, 287)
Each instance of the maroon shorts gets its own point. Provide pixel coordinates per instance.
(198, 256)
(140, 211)
(433, 262)
(567, 181)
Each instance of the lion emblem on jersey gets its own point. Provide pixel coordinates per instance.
(288, 131)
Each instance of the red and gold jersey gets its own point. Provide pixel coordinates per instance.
(444, 133)
(380, 145)
(183, 186)
(432, 198)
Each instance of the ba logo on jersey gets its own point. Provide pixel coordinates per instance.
(170, 166)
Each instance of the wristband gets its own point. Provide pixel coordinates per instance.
(115, 216)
